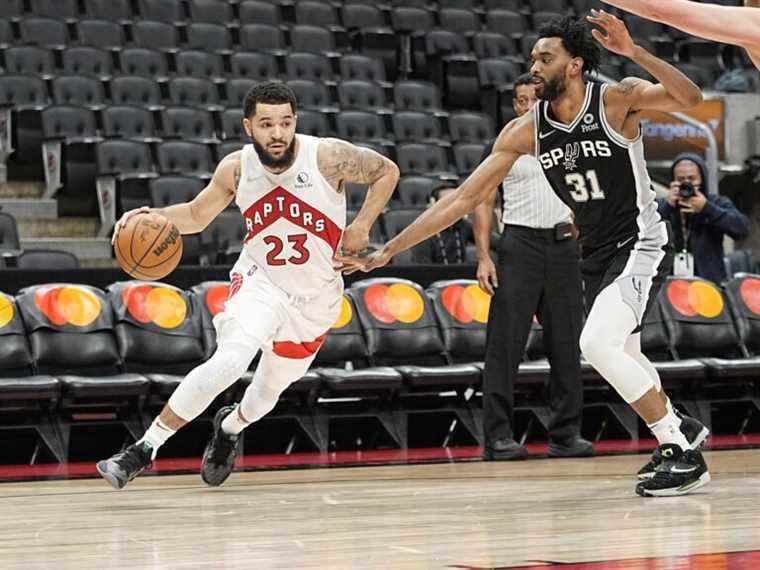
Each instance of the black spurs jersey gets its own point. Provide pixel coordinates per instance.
(598, 173)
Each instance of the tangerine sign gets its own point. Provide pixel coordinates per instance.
(695, 298)
(466, 304)
(6, 310)
(345, 316)
(749, 291)
(161, 306)
(391, 303)
(67, 304)
(216, 297)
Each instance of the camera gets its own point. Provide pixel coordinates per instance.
(686, 190)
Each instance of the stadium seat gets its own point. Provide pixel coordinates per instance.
(419, 158)
(361, 95)
(89, 61)
(189, 124)
(36, 397)
(232, 123)
(467, 157)
(29, 60)
(415, 191)
(128, 165)
(194, 92)
(184, 157)
(116, 10)
(173, 189)
(212, 37)
(10, 244)
(12, 9)
(155, 35)
(472, 5)
(466, 126)
(362, 68)
(45, 32)
(313, 123)
(375, 388)
(310, 66)
(312, 95)
(361, 126)
(6, 34)
(381, 44)
(487, 45)
(417, 126)
(460, 21)
(124, 121)
(743, 292)
(227, 147)
(253, 65)
(263, 38)
(47, 259)
(506, 22)
(398, 219)
(259, 12)
(738, 261)
(23, 96)
(375, 232)
(312, 39)
(416, 96)
(237, 89)
(316, 14)
(197, 63)
(59, 9)
(145, 62)
(158, 328)
(70, 135)
(211, 11)
(70, 331)
(357, 16)
(80, 91)
(405, 333)
(223, 237)
(101, 33)
(355, 196)
(540, 19)
(169, 11)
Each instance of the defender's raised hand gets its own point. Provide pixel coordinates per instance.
(616, 37)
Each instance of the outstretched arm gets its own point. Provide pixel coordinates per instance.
(727, 24)
(515, 139)
(341, 162)
(674, 92)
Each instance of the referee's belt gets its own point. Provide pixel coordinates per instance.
(560, 232)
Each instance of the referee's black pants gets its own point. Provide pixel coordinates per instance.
(537, 275)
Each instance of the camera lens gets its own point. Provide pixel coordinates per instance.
(686, 190)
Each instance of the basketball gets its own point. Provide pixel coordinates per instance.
(148, 247)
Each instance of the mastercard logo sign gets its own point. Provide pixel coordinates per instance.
(749, 291)
(466, 304)
(6, 310)
(345, 316)
(67, 305)
(148, 304)
(216, 297)
(695, 298)
(391, 303)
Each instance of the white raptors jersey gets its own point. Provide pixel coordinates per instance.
(294, 220)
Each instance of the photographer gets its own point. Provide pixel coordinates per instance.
(699, 220)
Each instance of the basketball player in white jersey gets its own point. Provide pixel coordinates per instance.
(285, 291)
(727, 24)
(587, 138)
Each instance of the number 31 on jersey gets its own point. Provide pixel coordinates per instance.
(584, 187)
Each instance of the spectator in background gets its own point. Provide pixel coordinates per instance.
(699, 220)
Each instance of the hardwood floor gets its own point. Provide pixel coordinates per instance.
(474, 514)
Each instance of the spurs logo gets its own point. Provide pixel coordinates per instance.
(638, 288)
(572, 152)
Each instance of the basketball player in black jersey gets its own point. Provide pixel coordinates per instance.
(587, 138)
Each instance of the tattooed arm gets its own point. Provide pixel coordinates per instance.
(193, 217)
(340, 162)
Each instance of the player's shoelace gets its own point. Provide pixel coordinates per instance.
(132, 461)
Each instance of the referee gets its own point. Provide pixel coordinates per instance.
(538, 273)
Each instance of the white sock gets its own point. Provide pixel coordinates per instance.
(668, 430)
(233, 424)
(671, 410)
(157, 435)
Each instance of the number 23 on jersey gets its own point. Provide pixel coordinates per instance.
(299, 256)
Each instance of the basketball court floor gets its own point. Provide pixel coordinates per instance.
(464, 513)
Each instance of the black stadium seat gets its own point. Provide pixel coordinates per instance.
(416, 126)
(116, 10)
(87, 60)
(174, 189)
(59, 9)
(189, 124)
(254, 65)
(195, 92)
(168, 11)
(262, 37)
(29, 60)
(212, 37)
(78, 90)
(135, 90)
(184, 157)
(124, 121)
(105, 34)
(155, 35)
(45, 32)
(259, 12)
(415, 191)
(468, 126)
(197, 63)
(311, 66)
(743, 292)
(70, 330)
(312, 39)
(143, 61)
(356, 66)
(210, 297)
(47, 259)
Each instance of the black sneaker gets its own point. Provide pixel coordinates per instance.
(125, 466)
(219, 455)
(679, 473)
(695, 432)
(504, 449)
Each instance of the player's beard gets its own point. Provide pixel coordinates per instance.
(551, 89)
(270, 161)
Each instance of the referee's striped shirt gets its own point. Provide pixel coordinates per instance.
(527, 198)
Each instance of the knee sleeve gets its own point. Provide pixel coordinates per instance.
(205, 382)
(603, 341)
(633, 348)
